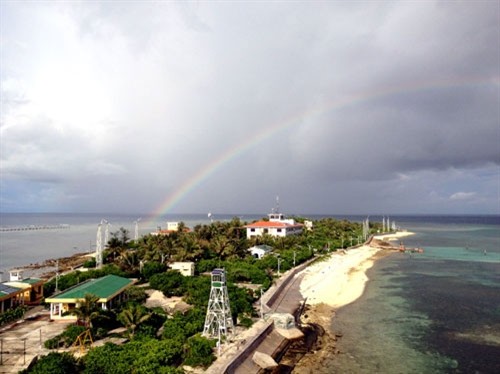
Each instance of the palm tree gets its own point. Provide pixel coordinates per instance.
(154, 248)
(87, 310)
(219, 245)
(130, 261)
(132, 316)
(189, 249)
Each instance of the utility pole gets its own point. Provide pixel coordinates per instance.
(57, 276)
(261, 306)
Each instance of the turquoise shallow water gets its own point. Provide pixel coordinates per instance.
(436, 312)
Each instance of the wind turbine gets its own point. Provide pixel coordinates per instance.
(136, 234)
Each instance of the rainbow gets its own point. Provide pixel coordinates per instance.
(211, 167)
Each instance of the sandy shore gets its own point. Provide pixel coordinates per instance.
(341, 279)
(335, 282)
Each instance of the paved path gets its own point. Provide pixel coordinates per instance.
(20, 343)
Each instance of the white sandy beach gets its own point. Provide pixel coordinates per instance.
(341, 279)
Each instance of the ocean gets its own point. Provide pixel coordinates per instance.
(436, 312)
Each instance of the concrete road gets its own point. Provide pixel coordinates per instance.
(21, 342)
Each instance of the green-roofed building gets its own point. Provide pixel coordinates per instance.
(110, 290)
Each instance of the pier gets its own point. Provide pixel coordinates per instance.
(34, 227)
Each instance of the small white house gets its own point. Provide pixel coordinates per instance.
(15, 275)
(173, 226)
(259, 251)
(277, 226)
(185, 268)
(308, 225)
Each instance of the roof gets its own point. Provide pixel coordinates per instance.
(262, 247)
(272, 224)
(106, 288)
(168, 232)
(30, 280)
(6, 290)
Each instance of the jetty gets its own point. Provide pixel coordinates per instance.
(61, 226)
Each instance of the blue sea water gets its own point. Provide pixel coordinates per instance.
(436, 312)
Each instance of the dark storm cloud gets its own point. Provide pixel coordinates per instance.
(377, 97)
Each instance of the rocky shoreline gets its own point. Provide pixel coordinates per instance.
(48, 268)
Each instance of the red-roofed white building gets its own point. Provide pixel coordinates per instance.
(277, 226)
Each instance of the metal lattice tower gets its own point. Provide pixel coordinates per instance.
(218, 322)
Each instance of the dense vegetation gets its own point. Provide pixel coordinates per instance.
(12, 314)
(162, 343)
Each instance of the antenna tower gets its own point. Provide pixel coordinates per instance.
(218, 322)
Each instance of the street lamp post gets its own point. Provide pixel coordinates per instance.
(261, 306)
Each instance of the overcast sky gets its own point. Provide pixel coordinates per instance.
(338, 107)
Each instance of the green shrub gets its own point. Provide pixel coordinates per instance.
(170, 283)
(199, 351)
(71, 334)
(66, 338)
(246, 322)
(11, 315)
(54, 363)
(89, 263)
(151, 268)
(53, 343)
